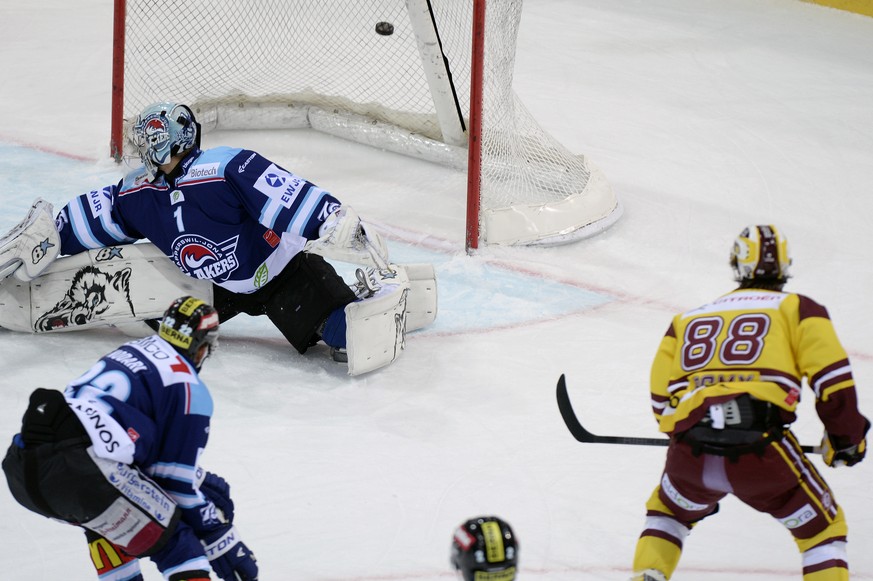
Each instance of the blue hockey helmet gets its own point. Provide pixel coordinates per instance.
(485, 549)
(161, 131)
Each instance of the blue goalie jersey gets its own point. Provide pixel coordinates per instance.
(230, 216)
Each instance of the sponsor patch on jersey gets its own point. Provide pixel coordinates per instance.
(199, 257)
(109, 439)
(280, 185)
(176, 196)
(99, 201)
(799, 518)
(202, 171)
(245, 164)
(677, 498)
(106, 556)
(272, 238)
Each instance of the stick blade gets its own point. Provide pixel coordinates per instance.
(582, 435)
(570, 419)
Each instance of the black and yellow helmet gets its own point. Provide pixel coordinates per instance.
(760, 253)
(188, 325)
(485, 549)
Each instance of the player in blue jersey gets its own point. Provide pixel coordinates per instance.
(117, 453)
(226, 215)
(252, 232)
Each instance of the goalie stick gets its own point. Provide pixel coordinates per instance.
(582, 435)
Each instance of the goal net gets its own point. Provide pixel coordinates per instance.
(425, 78)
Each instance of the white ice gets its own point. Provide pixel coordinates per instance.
(705, 116)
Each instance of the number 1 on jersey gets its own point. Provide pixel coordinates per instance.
(178, 214)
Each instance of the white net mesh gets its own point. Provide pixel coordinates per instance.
(321, 63)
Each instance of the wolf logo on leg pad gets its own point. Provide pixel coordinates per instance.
(92, 292)
(111, 286)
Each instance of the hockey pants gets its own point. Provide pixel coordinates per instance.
(781, 482)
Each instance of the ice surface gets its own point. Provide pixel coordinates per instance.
(704, 115)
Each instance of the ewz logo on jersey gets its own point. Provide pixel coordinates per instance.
(274, 180)
(279, 185)
(202, 258)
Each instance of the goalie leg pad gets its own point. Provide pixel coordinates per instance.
(31, 245)
(421, 306)
(376, 327)
(115, 285)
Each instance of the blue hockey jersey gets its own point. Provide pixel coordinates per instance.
(157, 397)
(230, 216)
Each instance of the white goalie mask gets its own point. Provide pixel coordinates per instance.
(161, 131)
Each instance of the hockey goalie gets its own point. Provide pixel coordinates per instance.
(226, 225)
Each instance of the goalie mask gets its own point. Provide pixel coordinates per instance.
(161, 131)
(485, 549)
(188, 325)
(760, 253)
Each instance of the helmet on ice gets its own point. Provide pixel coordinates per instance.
(189, 325)
(161, 131)
(760, 253)
(484, 549)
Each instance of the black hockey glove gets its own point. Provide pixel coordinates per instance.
(230, 558)
(848, 456)
(216, 489)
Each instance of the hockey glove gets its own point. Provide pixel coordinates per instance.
(31, 246)
(343, 237)
(835, 457)
(217, 490)
(230, 558)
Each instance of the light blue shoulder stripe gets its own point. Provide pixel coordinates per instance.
(81, 226)
(200, 400)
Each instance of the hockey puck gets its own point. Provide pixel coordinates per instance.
(384, 28)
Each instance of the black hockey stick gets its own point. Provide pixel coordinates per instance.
(581, 434)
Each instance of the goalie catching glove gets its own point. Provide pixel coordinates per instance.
(834, 455)
(32, 245)
(343, 237)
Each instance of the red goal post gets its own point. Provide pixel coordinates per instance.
(426, 78)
